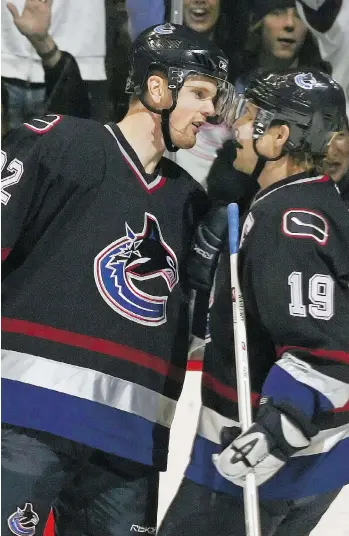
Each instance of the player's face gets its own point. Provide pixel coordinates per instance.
(194, 106)
(337, 160)
(283, 33)
(246, 158)
(201, 15)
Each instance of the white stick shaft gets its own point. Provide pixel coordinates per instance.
(251, 503)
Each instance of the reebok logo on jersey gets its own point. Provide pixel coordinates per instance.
(202, 253)
(143, 530)
(302, 223)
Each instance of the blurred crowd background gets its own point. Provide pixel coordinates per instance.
(71, 57)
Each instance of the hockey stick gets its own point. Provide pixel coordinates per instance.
(177, 11)
(252, 521)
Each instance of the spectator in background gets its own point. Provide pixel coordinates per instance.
(65, 91)
(224, 21)
(77, 27)
(201, 15)
(277, 40)
(328, 21)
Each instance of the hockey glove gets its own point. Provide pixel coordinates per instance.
(266, 446)
(207, 245)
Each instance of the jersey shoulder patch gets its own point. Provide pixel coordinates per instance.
(64, 126)
(42, 125)
(305, 223)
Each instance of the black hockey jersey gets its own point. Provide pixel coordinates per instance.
(294, 275)
(95, 308)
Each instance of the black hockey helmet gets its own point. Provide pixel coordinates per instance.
(310, 102)
(178, 52)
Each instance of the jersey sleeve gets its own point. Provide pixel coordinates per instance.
(300, 289)
(44, 163)
(20, 163)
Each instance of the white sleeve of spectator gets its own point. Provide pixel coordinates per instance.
(314, 4)
(334, 44)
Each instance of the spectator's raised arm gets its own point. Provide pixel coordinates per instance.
(64, 88)
(34, 23)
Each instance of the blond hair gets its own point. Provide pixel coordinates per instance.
(314, 164)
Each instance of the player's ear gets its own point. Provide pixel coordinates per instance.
(158, 91)
(281, 136)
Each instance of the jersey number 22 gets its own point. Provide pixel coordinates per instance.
(15, 167)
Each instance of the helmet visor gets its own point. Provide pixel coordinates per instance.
(262, 120)
(238, 108)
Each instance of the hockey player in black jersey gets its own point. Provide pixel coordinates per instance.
(96, 226)
(294, 274)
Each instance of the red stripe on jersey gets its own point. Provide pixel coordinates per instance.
(5, 253)
(335, 355)
(194, 365)
(225, 391)
(157, 186)
(342, 409)
(325, 178)
(93, 344)
(49, 529)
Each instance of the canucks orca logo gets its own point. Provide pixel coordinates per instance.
(23, 522)
(136, 257)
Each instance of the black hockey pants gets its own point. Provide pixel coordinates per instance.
(197, 511)
(92, 493)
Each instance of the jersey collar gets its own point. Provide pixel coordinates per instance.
(299, 178)
(149, 181)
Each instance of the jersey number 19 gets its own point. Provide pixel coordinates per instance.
(320, 294)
